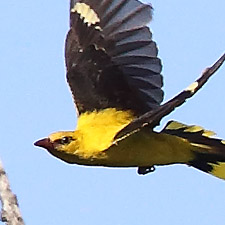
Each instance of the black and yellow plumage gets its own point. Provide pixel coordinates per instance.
(111, 60)
(115, 78)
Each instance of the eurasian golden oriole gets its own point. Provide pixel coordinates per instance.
(114, 75)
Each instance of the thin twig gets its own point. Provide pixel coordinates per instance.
(153, 117)
(10, 213)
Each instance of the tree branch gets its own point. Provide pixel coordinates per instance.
(10, 209)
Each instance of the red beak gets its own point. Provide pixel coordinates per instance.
(45, 143)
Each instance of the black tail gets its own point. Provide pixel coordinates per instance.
(209, 153)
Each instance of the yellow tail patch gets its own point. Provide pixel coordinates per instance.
(174, 125)
(209, 151)
(218, 169)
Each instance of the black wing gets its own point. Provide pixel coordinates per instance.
(153, 117)
(111, 59)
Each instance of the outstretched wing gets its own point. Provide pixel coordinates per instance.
(153, 117)
(111, 59)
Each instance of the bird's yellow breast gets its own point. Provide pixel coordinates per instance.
(96, 131)
(99, 128)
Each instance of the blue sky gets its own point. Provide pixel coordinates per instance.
(35, 101)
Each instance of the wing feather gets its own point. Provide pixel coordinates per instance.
(111, 59)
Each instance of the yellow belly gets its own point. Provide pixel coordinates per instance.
(147, 149)
(93, 143)
(144, 148)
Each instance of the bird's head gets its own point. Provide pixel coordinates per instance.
(63, 144)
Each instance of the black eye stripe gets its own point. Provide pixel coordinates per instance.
(64, 140)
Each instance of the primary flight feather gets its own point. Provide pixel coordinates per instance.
(115, 78)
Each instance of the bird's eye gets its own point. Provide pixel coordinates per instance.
(65, 140)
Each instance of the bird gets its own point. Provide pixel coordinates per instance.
(114, 73)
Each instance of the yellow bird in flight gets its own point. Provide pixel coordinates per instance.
(115, 78)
